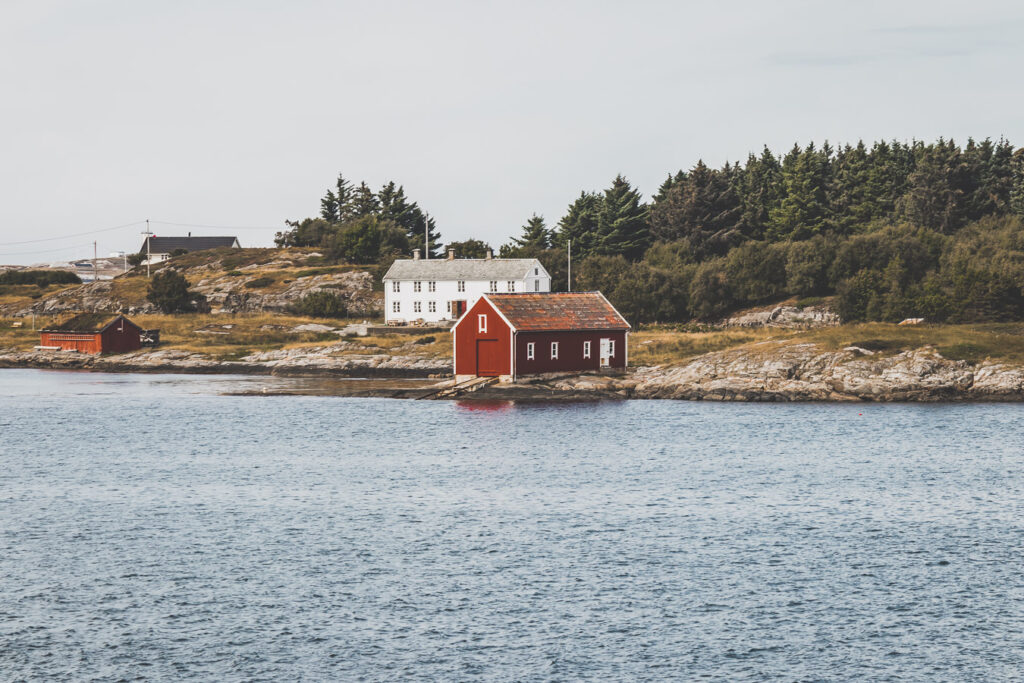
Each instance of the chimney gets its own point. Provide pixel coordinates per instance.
(190, 234)
(451, 254)
(415, 254)
(490, 254)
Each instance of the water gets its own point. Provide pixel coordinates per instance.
(152, 528)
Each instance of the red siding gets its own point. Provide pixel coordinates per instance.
(570, 351)
(120, 337)
(495, 344)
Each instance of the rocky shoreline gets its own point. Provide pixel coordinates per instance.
(768, 371)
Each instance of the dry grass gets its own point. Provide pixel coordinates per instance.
(661, 347)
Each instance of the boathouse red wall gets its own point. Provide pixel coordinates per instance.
(570, 351)
(487, 353)
(121, 336)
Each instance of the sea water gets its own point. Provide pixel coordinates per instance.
(155, 527)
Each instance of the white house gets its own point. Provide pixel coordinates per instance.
(160, 249)
(433, 290)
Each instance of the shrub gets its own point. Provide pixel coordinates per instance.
(41, 278)
(234, 273)
(256, 283)
(425, 340)
(321, 305)
(168, 291)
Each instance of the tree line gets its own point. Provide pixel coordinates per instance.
(891, 230)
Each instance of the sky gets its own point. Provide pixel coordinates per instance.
(230, 116)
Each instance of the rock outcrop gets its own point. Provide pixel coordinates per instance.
(227, 294)
(784, 317)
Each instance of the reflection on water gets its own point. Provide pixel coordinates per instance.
(155, 526)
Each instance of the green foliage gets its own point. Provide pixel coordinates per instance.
(535, 234)
(368, 239)
(321, 304)
(470, 248)
(257, 283)
(136, 259)
(169, 292)
(40, 278)
(425, 340)
(234, 273)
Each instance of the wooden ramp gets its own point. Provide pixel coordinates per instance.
(453, 390)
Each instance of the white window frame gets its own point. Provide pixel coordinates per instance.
(494, 285)
(586, 349)
(396, 306)
(396, 286)
(481, 323)
(536, 285)
(531, 349)
(431, 307)
(510, 285)
(416, 286)
(462, 285)
(417, 307)
(611, 348)
(554, 350)
(432, 286)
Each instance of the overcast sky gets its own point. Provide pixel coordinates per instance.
(242, 113)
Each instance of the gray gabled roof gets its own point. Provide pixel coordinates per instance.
(463, 269)
(165, 245)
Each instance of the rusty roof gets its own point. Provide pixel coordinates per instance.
(558, 311)
(87, 322)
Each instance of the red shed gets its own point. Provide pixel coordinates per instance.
(94, 333)
(508, 335)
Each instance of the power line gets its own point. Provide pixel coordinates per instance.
(217, 227)
(46, 251)
(77, 234)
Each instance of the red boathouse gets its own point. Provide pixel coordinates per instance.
(94, 333)
(509, 335)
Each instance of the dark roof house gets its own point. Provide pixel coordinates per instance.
(161, 247)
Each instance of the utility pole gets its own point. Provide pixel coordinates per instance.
(95, 274)
(426, 235)
(568, 280)
(147, 234)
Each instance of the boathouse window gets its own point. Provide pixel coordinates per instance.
(416, 286)
(432, 306)
(554, 350)
(396, 286)
(481, 322)
(396, 307)
(462, 285)
(432, 286)
(611, 348)
(494, 285)
(530, 348)
(586, 349)
(416, 307)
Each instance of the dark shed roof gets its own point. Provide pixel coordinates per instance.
(165, 245)
(560, 311)
(89, 322)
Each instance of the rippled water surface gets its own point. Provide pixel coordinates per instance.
(153, 528)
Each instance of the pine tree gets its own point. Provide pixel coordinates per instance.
(535, 234)
(623, 221)
(580, 225)
(669, 183)
(329, 207)
(364, 202)
(803, 211)
(936, 189)
(344, 194)
(704, 209)
(1017, 189)
(759, 188)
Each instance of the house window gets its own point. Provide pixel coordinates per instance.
(431, 286)
(396, 307)
(494, 285)
(396, 286)
(530, 350)
(511, 285)
(416, 308)
(586, 349)
(416, 286)
(554, 350)
(432, 307)
(611, 348)
(536, 285)
(536, 271)
(462, 285)
(481, 323)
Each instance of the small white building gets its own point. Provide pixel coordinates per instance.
(160, 249)
(435, 290)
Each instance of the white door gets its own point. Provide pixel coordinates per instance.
(606, 352)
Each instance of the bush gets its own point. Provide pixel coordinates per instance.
(425, 340)
(41, 278)
(321, 305)
(168, 291)
(234, 273)
(256, 283)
